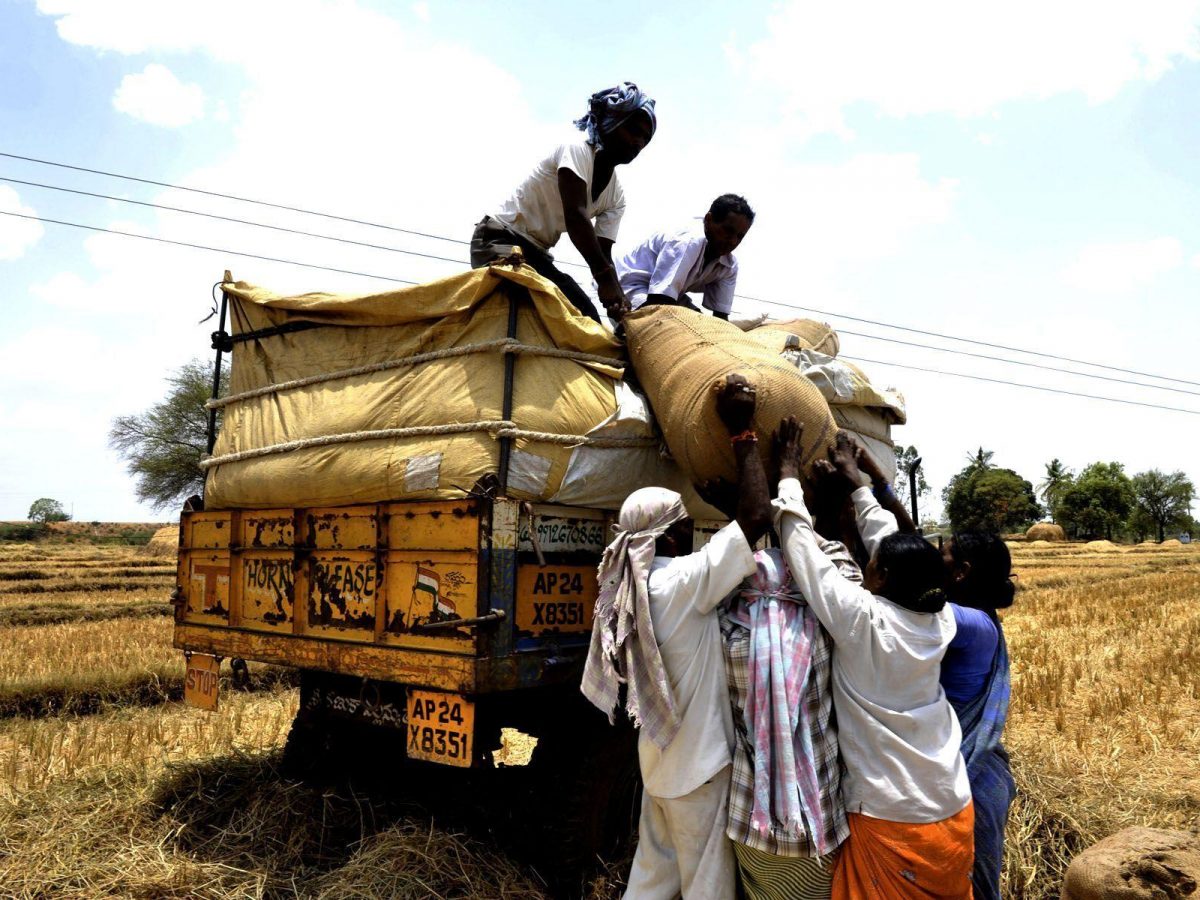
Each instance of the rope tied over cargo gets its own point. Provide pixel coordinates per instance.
(497, 428)
(500, 345)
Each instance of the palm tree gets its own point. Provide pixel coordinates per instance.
(981, 461)
(1058, 479)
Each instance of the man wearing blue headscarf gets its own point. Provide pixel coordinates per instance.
(574, 185)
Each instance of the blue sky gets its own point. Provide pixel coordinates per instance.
(1023, 175)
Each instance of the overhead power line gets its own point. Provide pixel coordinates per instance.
(293, 262)
(951, 337)
(367, 223)
(179, 187)
(1018, 362)
(158, 240)
(234, 220)
(1032, 387)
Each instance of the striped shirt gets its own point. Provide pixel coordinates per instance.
(818, 698)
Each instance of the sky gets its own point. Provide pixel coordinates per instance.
(1022, 174)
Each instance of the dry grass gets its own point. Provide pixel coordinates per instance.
(1104, 727)
(157, 800)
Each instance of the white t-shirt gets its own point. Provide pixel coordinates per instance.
(684, 593)
(535, 210)
(672, 263)
(899, 736)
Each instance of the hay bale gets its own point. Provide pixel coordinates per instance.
(1101, 546)
(1046, 531)
(1040, 542)
(164, 542)
(1171, 543)
(1136, 864)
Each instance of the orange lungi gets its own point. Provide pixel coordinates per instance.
(884, 860)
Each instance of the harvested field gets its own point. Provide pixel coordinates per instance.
(143, 797)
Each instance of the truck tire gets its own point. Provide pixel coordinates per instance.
(591, 790)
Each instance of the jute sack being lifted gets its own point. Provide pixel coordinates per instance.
(680, 355)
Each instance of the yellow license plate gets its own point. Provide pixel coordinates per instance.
(441, 727)
(200, 683)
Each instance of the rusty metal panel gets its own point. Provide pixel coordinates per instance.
(443, 525)
(342, 528)
(442, 671)
(427, 587)
(208, 530)
(340, 599)
(557, 529)
(555, 598)
(266, 585)
(207, 585)
(266, 529)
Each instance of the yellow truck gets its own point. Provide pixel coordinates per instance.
(450, 605)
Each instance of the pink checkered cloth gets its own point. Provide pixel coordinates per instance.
(786, 789)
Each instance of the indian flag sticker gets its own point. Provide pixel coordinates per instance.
(429, 582)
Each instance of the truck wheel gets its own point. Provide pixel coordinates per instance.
(591, 790)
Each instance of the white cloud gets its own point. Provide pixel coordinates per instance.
(421, 11)
(16, 235)
(1115, 268)
(965, 58)
(156, 96)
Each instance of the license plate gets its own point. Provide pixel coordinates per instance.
(200, 683)
(440, 727)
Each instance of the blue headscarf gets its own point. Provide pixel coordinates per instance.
(607, 109)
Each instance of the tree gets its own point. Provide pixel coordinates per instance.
(1165, 500)
(1097, 502)
(163, 445)
(987, 498)
(904, 460)
(46, 510)
(1054, 485)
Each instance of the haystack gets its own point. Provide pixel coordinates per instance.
(1171, 543)
(1046, 531)
(165, 541)
(1101, 546)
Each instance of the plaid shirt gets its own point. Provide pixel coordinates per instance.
(819, 700)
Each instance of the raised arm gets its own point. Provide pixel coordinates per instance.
(573, 190)
(882, 489)
(736, 399)
(874, 522)
(841, 605)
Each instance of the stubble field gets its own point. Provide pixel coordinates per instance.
(110, 787)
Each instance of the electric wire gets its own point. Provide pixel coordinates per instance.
(266, 203)
(146, 237)
(1032, 387)
(364, 222)
(234, 220)
(999, 381)
(951, 337)
(1018, 362)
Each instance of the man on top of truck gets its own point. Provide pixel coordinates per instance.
(572, 186)
(668, 265)
(656, 630)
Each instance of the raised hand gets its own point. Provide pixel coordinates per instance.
(843, 457)
(786, 447)
(719, 494)
(736, 400)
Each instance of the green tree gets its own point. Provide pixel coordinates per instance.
(904, 460)
(987, 498)
(1054, 485)
(45, 510)
(1098, 501)
(163, 445)
(1164, 500)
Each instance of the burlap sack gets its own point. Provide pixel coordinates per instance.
(680, 355)
(1136, 864)
(813, 335)
(1045, 531)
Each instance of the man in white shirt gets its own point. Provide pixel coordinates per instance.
(656, 629)
(569, 188)
(669, 265)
